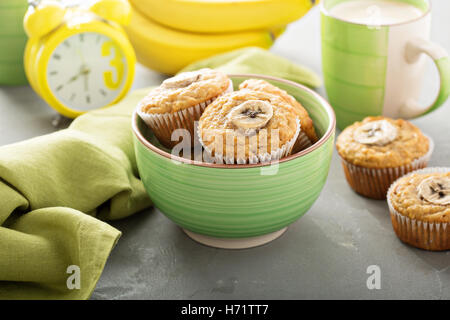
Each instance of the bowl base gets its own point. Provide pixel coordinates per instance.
(235, 243)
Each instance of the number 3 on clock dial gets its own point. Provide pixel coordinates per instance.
(86, 71)
(116, 62)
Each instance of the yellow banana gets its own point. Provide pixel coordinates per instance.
(168, 50)
(212, 16)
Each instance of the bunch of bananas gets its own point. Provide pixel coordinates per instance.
(170, 34)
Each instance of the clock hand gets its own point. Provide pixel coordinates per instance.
(83, 71)
(75, 77)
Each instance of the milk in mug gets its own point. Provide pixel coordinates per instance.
(375, 12)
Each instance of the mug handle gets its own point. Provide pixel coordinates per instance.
(414, 49)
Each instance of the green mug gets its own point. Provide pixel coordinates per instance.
(12, 42)
(377, 70)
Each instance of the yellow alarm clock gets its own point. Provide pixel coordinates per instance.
(78, 58)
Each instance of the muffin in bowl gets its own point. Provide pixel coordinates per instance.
(179, 101)
(379, 150)
(248, 126)
(238, 205)
(419, 204)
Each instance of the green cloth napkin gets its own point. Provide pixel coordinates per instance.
(257, 60)
(52, 189)
(56, 190)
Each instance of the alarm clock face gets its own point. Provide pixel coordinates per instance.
(87, 71)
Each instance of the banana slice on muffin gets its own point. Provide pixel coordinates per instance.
(435, 190)
(182, 80)
(379, 133)
(251, 115)
(307, 136)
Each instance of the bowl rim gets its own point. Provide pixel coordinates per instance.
(328, 133)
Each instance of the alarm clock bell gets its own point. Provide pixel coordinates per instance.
(79, 58)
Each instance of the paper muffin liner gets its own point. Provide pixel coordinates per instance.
(163, 124)
(265, 157)
(375, 182)
(433, 236)
(302, 142)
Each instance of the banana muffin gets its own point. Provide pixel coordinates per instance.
(307, 136)
(379, 150)
(179, 101)
(419, 205)
(248, 126)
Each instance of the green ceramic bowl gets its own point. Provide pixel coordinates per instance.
(236, 206)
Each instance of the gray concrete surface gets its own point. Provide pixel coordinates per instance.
(325, 254)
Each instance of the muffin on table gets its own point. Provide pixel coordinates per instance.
(419, 204)
(248, 126)
(180, 100)
(307, 136)
(379, 150)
